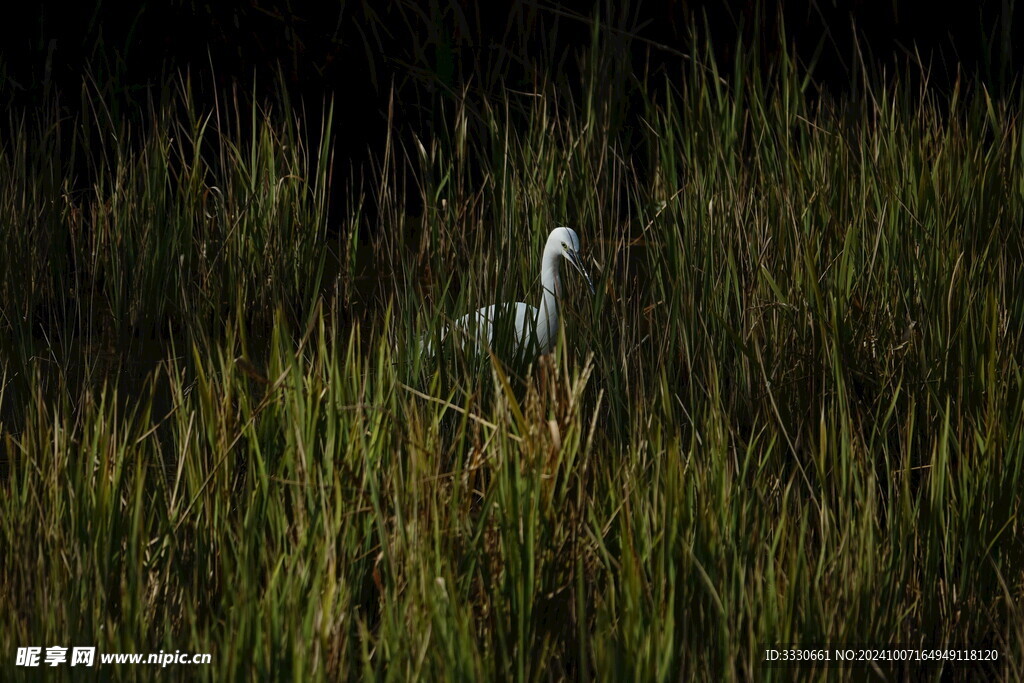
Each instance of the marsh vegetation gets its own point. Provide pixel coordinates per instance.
(792, 412)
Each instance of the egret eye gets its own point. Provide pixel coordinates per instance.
(564, 246)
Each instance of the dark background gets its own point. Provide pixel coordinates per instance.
(413, 54)
(357, 51)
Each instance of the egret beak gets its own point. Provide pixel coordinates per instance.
(574, 258)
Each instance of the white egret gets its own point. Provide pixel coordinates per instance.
(535, 328)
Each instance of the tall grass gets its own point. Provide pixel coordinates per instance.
(791, 414)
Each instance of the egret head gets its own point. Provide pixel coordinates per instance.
(568, 243)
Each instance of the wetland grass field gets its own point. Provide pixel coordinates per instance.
(793, 413)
